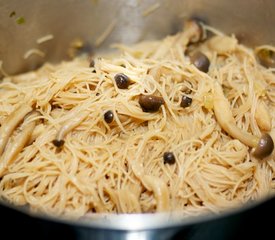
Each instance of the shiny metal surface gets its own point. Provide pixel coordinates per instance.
(153, 226)
(68, 20)
(252, 21)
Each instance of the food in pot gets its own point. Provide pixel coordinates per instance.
(182, 124)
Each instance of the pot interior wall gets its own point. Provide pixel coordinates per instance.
(130, 21)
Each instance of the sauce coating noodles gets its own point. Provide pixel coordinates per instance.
(76, 159)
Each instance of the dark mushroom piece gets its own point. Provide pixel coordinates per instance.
(193, 32)
(58, 143)
(109, 116)
(266, 58)
(265, 146)
(169, 158)
(185, 101)
(150, 103)
(92, 63)
(200, 61)
(122, 81)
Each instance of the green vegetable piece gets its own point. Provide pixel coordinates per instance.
(20, 20)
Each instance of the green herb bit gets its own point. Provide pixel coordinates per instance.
(20, 20)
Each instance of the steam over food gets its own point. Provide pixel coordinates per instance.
(182, 124)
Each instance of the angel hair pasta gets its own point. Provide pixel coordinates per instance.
(182, 124)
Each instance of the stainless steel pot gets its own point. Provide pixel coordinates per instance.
(23, 22)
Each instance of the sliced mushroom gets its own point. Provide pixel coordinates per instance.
(12, 121)
(264, 145)
(68, 126)
(15, 147)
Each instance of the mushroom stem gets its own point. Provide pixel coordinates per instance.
(263, 117)
(225, 118)
(38, 130)
(193, 31)
(264, 145)
(121, 117)
(19, 143)
(158, 71)
(160, 190)
(11, 122)
(154, 184)
(71, 124)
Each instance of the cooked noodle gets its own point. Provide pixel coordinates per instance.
(44, 39)
(118, 167)
(33, 51)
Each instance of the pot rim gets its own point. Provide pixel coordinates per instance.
(136, 222)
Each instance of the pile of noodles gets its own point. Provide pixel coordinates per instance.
(118, 167)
